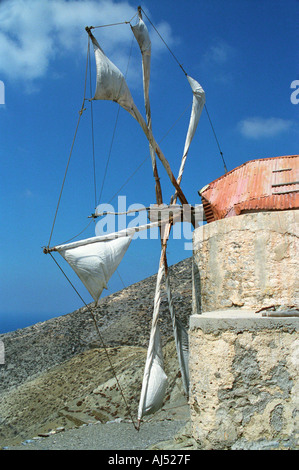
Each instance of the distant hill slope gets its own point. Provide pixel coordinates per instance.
(124, 318)
(83, 390)
(56, 372)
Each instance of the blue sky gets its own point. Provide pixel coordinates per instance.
(244, 53)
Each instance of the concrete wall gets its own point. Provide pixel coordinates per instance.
(244, 367)
(248, 261)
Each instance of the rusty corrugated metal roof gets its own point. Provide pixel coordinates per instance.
(258, 185)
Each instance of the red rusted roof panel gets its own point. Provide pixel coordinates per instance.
(257, 185)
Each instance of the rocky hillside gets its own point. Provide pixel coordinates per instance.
(57, 373)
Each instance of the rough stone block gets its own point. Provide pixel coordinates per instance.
(244, 381)
(248, 261)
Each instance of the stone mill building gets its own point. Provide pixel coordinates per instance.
(244, 346)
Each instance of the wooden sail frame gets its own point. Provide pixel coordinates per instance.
(176, 182)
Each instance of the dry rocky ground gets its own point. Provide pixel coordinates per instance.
(58, 376)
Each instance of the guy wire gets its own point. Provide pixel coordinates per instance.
(72, 146)
(101, 338)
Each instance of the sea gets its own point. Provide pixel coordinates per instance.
(14, 321)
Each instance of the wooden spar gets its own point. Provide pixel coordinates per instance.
(112, 236)
(155, 148)
(162, 158)
(168, 226)
(155, 212)
(158, 188)
(159, 200)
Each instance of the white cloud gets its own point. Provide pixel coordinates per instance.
(34, 32)
(219, 53)
(218, 60)
(28, 194)
(257, 127)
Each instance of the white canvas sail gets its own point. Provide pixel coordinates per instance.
(154, 378)
(197, 107)
(95, 263)
(181, 340)
(180, 334)
(142, 36)
(126, 232)
(111, 85)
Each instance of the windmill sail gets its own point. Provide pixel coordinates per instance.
(181, 338)
(95, 259)
(109, 236)
(95, 263)
(197, 107)
(142, 37)
(154, 378)
(180, 334)
(111, 85)
(155, 381)
(141, 34)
